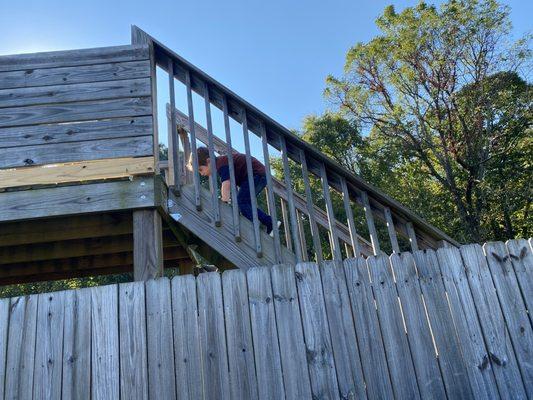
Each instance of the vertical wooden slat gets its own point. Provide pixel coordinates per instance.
(105, 343)
(133, 357)
(522, 261)
(192, 131)
(478, 365)
(251, 184)
(334, 236)
(212, 337)
(265, 335)
(147, 245)
(233, 185)
(290, 333)
(412, 236)
(4, 327)
(49, 347)
(370, 223)
(21, 347)
(301, 234)
(316, 332)
(404, 381)
(243, 381)
(391, 230)
(373, 360)
(341, 327)
(189, 380)
(315, 234)
(270, 193)
(213, 181)
(159, 340)
(290, 199)
(174, 163)
(76, 379)
(186, 174)
(349, 217)
(286, 224)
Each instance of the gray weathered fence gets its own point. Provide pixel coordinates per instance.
(446, 324)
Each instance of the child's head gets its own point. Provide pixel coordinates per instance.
(203, 161)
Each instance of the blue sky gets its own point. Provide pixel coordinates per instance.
(275, 54)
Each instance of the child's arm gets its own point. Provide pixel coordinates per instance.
(225, 191)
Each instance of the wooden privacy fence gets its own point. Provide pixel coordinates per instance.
(446, 324)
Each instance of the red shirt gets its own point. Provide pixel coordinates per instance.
(239, 164)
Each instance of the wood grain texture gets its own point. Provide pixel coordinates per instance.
(132, 331)
(212, 337)
(4, 325)
(189, 379)
(319, 349)
(161, 370)
(290, 333)
(76, 379)
(265, 335)
(370, 342)
(522, 261)
(147, 245)
(243, 381)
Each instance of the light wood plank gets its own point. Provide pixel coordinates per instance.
(77, 171)
(194, 154)
(147, 245)
(161, 372)
(354, 240)
(370, 223)
(374, 361)
(213, 176)
(522, 260)
(290, 333)
(105, 383)
(132, 331)
(392, 231)
(243, 381)
(212, 337)
(189, 380)
(412, 236)
(265, 335)
(319, 349)
(76, 379)
(4, 329)
(333, 234)
(174, 161)
(47, 372)
(341, 327)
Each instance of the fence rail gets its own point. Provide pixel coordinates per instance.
(451, 323)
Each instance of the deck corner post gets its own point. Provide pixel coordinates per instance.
(147, 245)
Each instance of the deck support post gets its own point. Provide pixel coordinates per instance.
(147, 245)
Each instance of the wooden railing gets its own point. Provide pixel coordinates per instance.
(354, 190)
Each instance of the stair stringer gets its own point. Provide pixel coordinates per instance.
(201, 223)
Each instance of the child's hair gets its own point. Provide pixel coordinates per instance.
(203, 155)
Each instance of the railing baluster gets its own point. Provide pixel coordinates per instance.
(370, 223)
(349, 250)
(174, 165)
(412, 235)
(233, 185)
(315, 234)
(349, 217)
(334, 236)
(301, 232)
(286, 225)
(195, 173)
(290, 199)
(186, 175)
(213, 181)
(391, 230)
(270, 196)
(251, 184)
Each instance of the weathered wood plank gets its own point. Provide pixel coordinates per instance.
(189, 380)
(132, 333)
(243, 381)
(98, 197)
(513, 309)
(404, 381)
(21, 347)
(495, 332)
(138, 146)
(105, 382)
(194, 154)
(33, 135)
(370, 223)
(290, 333)
(418, 331)
(333, 235)
(392, 232)
(448, 344)
(49, 346)
(478, 364)
(4, 328)
(76, 379)
(71, 75)
(213, 176)
(81, 171)
(373, 360)
(161, 372)
(265, 335)
(212, 337)
(341, 327)
(70, 112)
(316, 332)
(522, 260)
(54, 59)
(147, 245)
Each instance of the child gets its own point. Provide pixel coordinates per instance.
(241, 179)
